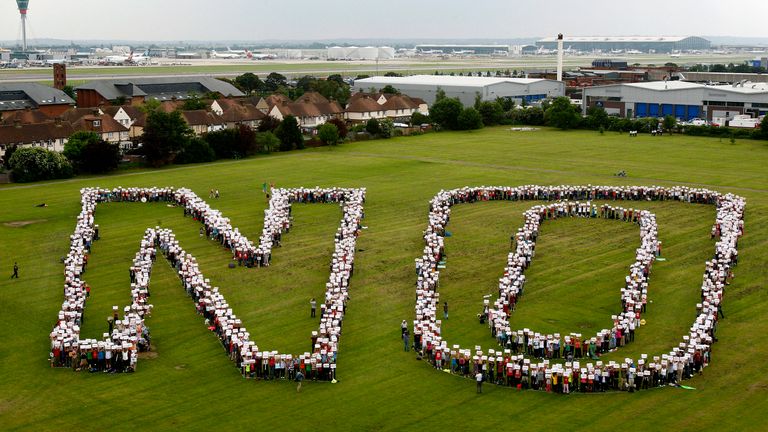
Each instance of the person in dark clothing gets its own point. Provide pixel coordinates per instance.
(15, 271)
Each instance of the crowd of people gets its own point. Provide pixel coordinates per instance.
(523, 357)
(118, 351)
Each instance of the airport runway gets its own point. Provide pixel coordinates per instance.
(297, 68)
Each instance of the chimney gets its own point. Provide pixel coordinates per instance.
(560, 57)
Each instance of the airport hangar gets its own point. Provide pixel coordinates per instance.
(466, 88)
(659, 44)
(683, 100)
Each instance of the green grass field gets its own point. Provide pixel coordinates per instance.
(188, 383)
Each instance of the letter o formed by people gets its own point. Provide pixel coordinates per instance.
(119, 348)
(504, 365)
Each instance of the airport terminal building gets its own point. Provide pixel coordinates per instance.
(658, 44)
(466, 88)
(683, 100)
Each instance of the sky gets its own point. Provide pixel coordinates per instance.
(196, 20)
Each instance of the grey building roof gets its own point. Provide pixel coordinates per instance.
(14, 96)
(162, 88)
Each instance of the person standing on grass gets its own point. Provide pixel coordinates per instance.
(479, 379)
(406, 339)
(299, 379)
(15, 271)
(445, 310)
(313, 307)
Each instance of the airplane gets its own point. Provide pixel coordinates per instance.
(142, 58)
(117, 59)
(463, 52)
(674, 55)
(227, 55)
(432, 52)
(52, 62)
(632, 51)
(260, 56)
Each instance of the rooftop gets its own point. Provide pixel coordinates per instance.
(444, 81)
(15, 96)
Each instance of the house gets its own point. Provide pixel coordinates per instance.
(202, 121)
(20, 96)
(52, 135)
(129, 116)
(237, 112)
(134, 91)
(25, 116)
(108, 128)
(365, 106)
(311, 110)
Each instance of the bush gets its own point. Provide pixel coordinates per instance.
(386, 128)
(341, 125)
(372, 127)
(328, 133)
(491, 112)
(196, 150)
(35, 163)
(267, 142)
(445, 112)
(418, 119)
(561, 114)
(469, 119)
(289, 134)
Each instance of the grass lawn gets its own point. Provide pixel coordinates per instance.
(187, 383)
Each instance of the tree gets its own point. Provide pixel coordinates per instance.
(30, 164)
(418, 119)
(386, 128)
(439, 95)
(388, 89)
(561, 114)
(392, 74)
(289, 134)
(372, 127)
(469, 119)
(150, 105)
(268, 124)
(445, 112)
(764, 127)
(99, 157)
(196, 150)
(341, 125)
(165, 134)
(491, 112)
(73, 149)
(222, 142)
(362, 76)
(267, 142)
(328, 133)
(274, 81)
(669, 123)
(7, 156)
(338, 79)
(70, 91)
(194, 103)
(596, 117)
(249, 82)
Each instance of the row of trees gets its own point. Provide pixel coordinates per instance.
(84, 152)
(332, 88)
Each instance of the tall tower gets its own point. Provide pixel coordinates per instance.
(560, 57)
(23, 4)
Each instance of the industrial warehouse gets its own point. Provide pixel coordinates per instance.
(683, 100)
(466, 89)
